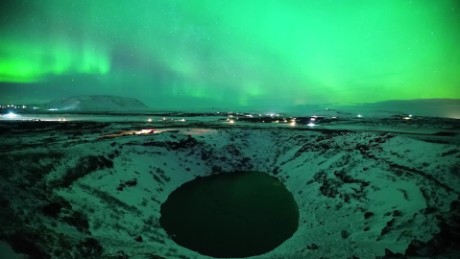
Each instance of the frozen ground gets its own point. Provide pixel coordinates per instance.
(365, 188)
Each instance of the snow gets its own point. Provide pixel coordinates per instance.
(337, 172)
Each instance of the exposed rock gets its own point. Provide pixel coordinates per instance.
(445, 243)
(78, 220)
(368, 214)
(312, 246)
(128, 183)
(53, 209)
(85, 165)
(138, 239)
(90, 248)
(27, 244)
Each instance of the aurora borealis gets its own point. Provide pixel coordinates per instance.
(181, 54)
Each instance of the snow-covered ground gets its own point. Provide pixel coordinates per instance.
(365, 188)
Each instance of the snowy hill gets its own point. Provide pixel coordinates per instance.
(96, 103)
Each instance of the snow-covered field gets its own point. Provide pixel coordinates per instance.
(365, 188)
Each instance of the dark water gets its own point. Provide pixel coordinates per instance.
(230, 215)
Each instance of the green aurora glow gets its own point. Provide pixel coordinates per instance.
(260, 53)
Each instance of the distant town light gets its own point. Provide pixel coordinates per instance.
(311, 124)
(360, 116)
(144, 131)
(11, 115)
(149, 120)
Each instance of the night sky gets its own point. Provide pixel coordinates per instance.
(204, 54)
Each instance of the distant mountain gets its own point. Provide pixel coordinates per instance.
(96, 103)
(445, 108)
